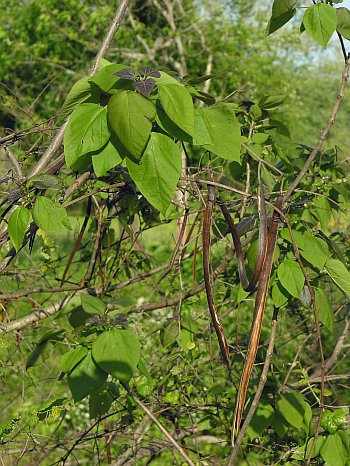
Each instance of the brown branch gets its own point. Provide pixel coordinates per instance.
(123, 5)
(208, 280)
(323, 136)
(15, 164)
(258, 392)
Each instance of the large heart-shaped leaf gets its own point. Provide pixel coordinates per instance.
(159, 171)
(130, 115)
(177, 104)
(339, 274)
(291, 277)
(224, 131)
(343, 22)
(320, 21)
(85, 378)
(324, 309)
(87, 131)
(292, 407)
(105, 159)
(49, 216)
(81, 91)
(117, 352)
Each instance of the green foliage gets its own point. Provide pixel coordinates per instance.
(161, 157)
(17, 225)
(117, 352)
(49, 216)
(320, 21)
(87, 131)
(85, 377)
(123, 317)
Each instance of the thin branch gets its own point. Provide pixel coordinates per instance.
(110, 34)
(15, 164)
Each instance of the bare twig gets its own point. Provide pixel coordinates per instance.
(15, 164)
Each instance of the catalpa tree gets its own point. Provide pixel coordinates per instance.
(168, 349)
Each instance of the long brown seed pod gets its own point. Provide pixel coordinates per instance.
(262, 243)
(259, 309)
(208, 278)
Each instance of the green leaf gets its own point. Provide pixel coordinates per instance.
(324, 310)
(87, 131)
(291, 277)
(280, 425)
(271, 102)
(343, 22)
(79, 93)
(333, 450)
(108, 157)
(322, 211)
(314, 250)
(34, 356)
(130, 115)
(85, 378)
(307, 418)
(17, 226)
(99, 403)
(159, 171)
(292, 407)
(165, 79)
(105, 80)
(282, 6)
(44, 181)
(177, 104)
(276, 23)
(224, 131)
(117, 352)
(102, 63)
(320, 21)
(92, 305)
(170, 127)
(49, 216)
(339, 274)
(201, 133)
(169, 334)
(261, 419)
(279, 295)
(78, 317)
(70, 359)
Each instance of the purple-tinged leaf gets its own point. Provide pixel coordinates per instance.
(15, 194)
(119, 319)
(149, 71)
(126, 73)
(144, 87)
